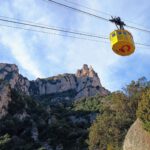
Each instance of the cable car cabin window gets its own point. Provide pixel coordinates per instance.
(113, 34)
(119, 33)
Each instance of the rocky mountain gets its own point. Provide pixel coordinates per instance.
(26, 123)
(84, 83)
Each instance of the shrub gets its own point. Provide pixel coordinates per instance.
(143, 111)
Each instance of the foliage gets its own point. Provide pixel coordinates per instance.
(108, 130)
(23, 113)
(52, 123)
(117, 114)
(134, 92)
(143, 111)
(4, 141)
(91, 104)
(70, 124)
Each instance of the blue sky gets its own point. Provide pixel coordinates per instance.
(43, 55)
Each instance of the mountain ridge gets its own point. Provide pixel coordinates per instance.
(85, 82)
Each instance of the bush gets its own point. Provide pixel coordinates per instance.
(4, 142)
(110, 127)
(143, 111)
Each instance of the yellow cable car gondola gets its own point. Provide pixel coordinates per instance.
(122, 42)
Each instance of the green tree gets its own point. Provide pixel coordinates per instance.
(4, 142)
(108, 131)
(143, 111)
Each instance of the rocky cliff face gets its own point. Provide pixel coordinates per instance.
(84, 83)
(137, 138)
(4, 99)
(9, 73)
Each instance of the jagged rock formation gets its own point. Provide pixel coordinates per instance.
(84, 83)
(137, 138)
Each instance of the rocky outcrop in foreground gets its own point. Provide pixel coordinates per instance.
(137, 138)
(83, 84)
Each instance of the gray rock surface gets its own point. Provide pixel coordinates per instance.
(4, 99)
(85, 82)
(137, 138)
(9, 73)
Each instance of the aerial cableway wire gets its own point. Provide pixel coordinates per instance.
(39, 31)
(83, 6)
(38, 23)
(79, 10)
(136, 28)
(98, 11)
(35, 25)
(51, 28)
(94, 15)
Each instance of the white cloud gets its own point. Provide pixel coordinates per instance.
(21, 52)
(36, 52)
(22, 44)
